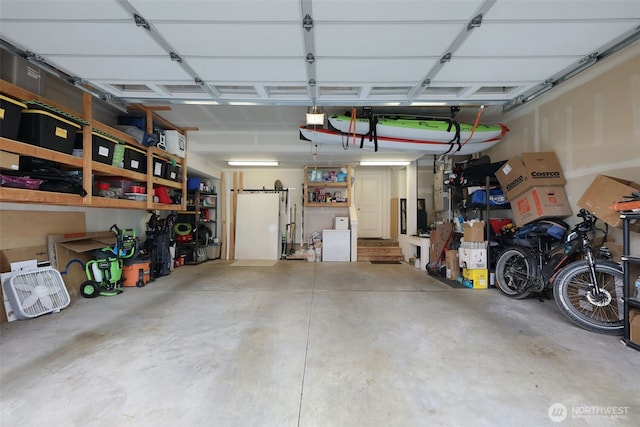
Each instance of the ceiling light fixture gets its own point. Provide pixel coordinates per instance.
(384, 163)
(428, 104)
(200, 102)
(252, 163)
(315, 115)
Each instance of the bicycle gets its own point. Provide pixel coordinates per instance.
(586, 288)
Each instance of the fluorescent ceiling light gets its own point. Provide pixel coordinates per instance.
(203, 102)
(315, 118)
(427, 104)
(384, 163)
(251, 163)
(242, 103)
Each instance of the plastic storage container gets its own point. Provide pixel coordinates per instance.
(47, 130)
(102, 147)
(172, 172)
(175, 142)
(193, 184)
(159, 166)
(10, 112)
(135, 159)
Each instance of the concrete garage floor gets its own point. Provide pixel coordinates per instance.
(312, 344)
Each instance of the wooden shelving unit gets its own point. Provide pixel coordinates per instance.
(328, 188)
(91, 169)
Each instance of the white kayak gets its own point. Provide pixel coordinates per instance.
(328, 136)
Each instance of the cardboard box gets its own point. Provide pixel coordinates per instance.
(634, 326)
(72, 251)
(538, 203)
(534, 169)
(603, 192)
(474, 231)
(452, 265)
(479, 277)
(439, 240)
(9, 160)
(472, 258)
(7, 256)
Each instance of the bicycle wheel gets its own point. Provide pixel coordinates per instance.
(573, 292)
(514, 267)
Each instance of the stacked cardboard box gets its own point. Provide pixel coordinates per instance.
(472, 255)
(534, 185)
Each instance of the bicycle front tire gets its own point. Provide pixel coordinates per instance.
(573, 292)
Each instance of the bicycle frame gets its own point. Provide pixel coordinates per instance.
(547, 260)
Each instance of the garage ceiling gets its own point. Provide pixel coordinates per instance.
(286, 55)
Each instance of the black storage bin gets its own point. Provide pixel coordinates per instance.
(159, 166)
(135, 159)
(10, 112)
(102, 147)
(47, 130)
(172, 172)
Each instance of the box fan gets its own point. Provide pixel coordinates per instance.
(36, 292)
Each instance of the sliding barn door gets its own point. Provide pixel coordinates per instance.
(257, 234)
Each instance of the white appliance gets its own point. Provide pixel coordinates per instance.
(336, 245)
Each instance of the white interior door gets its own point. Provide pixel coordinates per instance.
(257, 235)
(369, 201)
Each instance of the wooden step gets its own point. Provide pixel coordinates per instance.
(376, 242)
(380, 253)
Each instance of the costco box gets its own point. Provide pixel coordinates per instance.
(531, 170)
(47, 130)
(603, 192)
(538, 203)
(474, 231)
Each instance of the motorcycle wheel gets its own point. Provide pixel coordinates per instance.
(513, 267)
(573, 292)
